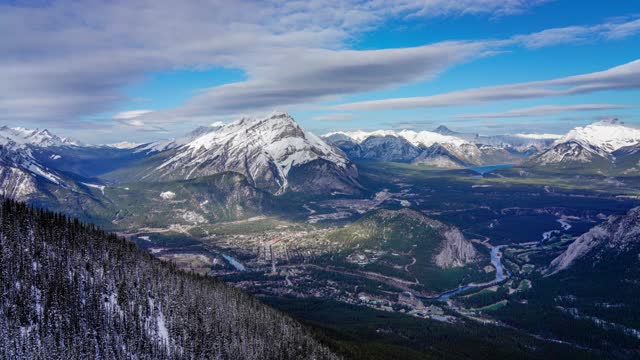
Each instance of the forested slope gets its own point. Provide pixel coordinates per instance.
(70, 291)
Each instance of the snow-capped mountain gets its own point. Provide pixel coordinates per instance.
(594, 145)
(616, 236)
(123, 145)
(168, 144)
(416, 138)
(423, 147)
(519, 142)
(34, 137)
(441, 148)
(20, 172)
(274, 153)
(608, 135)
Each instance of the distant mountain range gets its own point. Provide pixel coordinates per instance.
(607, 147)
(277, 156)
(441, 148)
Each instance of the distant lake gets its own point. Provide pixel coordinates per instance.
(486, 169)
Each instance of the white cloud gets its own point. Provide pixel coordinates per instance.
(67, 59)
(542, 110)
(319, 74)
(334, 117)
(125, 115)
(626, 76)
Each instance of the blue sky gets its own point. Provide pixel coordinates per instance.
(144, 70)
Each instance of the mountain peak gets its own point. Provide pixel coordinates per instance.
(608, 135)
(265, 150)
(444, 130)
(36, 137)
(611, 121)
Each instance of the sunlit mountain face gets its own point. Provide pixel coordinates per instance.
(319, 180)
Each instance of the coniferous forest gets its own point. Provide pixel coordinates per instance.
(73, 291)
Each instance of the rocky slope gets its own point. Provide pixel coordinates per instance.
(618, 235)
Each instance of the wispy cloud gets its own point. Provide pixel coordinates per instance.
(613, 30)
(68, 59)
(626, 76)
(125, 115)
(542, 111)
(334, 117)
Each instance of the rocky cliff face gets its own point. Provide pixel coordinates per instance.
(456, 250)
(619, 234)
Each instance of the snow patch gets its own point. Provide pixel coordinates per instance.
(95, 186)
(168, 195)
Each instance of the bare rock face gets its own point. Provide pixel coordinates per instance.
(16, 184)
(617, 235)
(456, 250)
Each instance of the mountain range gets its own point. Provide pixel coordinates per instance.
(440, 148)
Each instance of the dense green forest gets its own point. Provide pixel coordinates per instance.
(72, 291)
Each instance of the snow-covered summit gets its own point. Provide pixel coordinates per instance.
(168, 144)
(265, 150)
(536, 136)
(416, 138)
(43, 138)
(608, 135)
(124, 145)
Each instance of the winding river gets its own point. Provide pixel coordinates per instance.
(501, 275)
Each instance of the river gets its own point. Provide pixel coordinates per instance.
(235, 263)
(501, 275)
(485, 169)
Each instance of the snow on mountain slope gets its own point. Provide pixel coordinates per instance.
(168, 144)
(538, 136)
(423, 147)
(417, 138)
(589, 145)
(609, 135)
(124, 145)
(35, 137)
(520, 142)
(20, 171)
(571, 152)
(428, 138)
(617, 235)
(359, 135)
(267, 151)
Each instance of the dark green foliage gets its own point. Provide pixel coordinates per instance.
(363, 333)
(72, 291)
